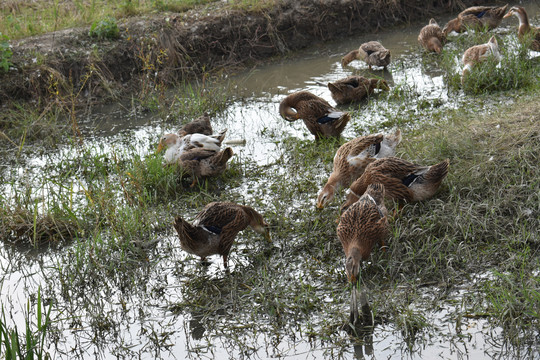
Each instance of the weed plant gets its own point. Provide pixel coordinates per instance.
(5, 53)
(516, 69)
(31, 343)
(105, 28)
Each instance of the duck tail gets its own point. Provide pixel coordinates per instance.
(224, 156)
(392, 140)
(501, 11)
(182, 227)
(437, 173)
(220, 136)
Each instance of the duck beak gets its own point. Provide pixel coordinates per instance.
(267, 234)
(508, 14)
(383, 85)
(160, 147)
(320, 205)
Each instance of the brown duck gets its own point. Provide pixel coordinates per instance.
(372, 53)
(362, 226)
(200, 125)
(355, 88)
(403, 180)
(525, 30)
(479, 53)
(321, 119)
(476, 18)
(352, 158)
(214, 229)
(431, 37)
(203, 163)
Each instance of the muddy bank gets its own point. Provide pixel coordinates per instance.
(70, 67)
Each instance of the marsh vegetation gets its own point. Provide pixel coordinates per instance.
(91, 264)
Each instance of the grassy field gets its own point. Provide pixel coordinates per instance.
(19, 19)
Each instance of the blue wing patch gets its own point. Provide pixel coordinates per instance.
(480, 14)
(409, 179)
(213, 229)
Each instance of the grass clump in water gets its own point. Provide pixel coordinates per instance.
(31, 343)
(515, 70)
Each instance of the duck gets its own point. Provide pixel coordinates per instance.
(372, 53)
(355, 88)
(477, 18)
(525, 29)
(216, 226)
(362, 226)
(403, 180)
(204, 163)
(176, 144)
(352, 158)
(479, 53)
(321, 119)
(431, 37)
(200, 125)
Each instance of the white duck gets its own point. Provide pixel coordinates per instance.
(177, 145)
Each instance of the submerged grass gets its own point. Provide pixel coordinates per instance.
(31, 343)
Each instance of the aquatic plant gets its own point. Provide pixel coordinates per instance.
(5, 53)
(31, 343)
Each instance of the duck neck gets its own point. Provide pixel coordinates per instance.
(255, 219)
(524, 26)
(286, 111)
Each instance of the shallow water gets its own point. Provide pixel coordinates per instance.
(138, 322)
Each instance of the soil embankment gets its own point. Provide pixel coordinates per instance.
(161, 51)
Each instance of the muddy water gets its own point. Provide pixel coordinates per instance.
(143, 326)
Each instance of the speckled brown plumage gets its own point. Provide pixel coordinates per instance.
(362, 226)
(479, 53)
(431, 37)
(201, 125)
(526, 32)
(354, 88)
(403, 180)
(214, 229)
(476, 18)
(352, 158)
(372, 53)
(321, 119)
(201, 162)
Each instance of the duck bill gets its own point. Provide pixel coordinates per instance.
(507, 15)
(265, 231)
(160, 148)
(354, 305)
(383, 86)
(320, 205)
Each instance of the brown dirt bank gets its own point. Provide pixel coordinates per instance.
(164, 50)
